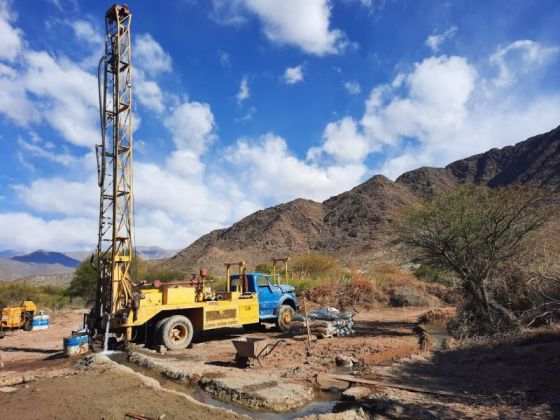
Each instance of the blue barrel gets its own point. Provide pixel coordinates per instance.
(36, 322)
(44, 322)
(74, 346)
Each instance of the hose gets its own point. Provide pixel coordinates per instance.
(102, 102)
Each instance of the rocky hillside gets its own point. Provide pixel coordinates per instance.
(351, 225)
(535, 161)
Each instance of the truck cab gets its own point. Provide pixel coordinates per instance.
(277, 302)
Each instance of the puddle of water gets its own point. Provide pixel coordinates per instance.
(438, 331)
(325, 402)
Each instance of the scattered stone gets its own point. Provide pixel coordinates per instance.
(356, 393)
(8, 389)
(342, 360)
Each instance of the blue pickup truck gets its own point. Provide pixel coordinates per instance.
(277, 302)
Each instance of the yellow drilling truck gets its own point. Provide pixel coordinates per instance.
(18, 317)
(165, 313)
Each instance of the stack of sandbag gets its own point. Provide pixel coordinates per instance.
(327, 322)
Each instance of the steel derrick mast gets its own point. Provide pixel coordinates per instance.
(113, 259)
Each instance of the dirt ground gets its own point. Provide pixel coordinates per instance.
(517, 378)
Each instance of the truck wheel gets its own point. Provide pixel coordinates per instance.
(284, 319)
(28, 326)
(155, 336)
(176, 332)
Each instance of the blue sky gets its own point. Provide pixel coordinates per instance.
(243, 104)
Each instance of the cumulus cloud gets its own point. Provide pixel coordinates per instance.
(435, 40)
(85, 31)
(293, 75)
(243, 92)
(192, 126)
(28, 232)
(148, 92)
(343, 141)
(150, 56)
(305, 24)
(277, 174)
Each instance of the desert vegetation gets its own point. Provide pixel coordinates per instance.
(498, 245)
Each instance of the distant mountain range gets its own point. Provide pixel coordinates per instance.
(352, 226)
(16, 264)
(47, 257)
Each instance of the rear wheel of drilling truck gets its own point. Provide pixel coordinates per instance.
(176, 332)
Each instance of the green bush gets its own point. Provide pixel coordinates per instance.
(315, 265)
(45, 297)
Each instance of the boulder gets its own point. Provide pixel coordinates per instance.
(356, 393)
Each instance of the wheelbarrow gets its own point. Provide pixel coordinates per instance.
(253, 348)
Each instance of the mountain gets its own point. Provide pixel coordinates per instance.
(9, 253)
(154, 252)
(535, 161)
(351, 226)
(47, 257)
(12, 269)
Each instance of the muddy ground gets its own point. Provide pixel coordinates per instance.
(518, 378)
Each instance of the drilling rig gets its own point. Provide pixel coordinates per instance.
(113, 257)
(160, 313)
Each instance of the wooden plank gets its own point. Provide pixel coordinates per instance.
(355, 379)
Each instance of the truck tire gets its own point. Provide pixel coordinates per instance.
(284, 318)
(155, 334)
(28, 324)
(176, 333)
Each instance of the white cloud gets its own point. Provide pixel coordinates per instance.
(305, 24)
(192, 126)
(85, 31)
(276, 174)
(435, 40)
(61, 197)
(11, 42)
(293, 75)
(520, 57)
(342, 141)
(29, 232)
(147, 92)
(243, 92)
(353, 87)
(68, 96)
(150, 56)
(44, 151)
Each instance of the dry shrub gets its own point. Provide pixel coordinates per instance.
(437, 314)
(385, 285)
(408, 296)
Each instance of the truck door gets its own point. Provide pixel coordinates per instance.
(269, 295)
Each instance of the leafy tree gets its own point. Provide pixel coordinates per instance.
(84, 281)
(477, 233)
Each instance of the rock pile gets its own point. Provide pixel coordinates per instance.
(324, 323)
